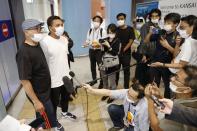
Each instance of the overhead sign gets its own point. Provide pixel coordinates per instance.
(6, 30)
(142, 9)
(183, 7)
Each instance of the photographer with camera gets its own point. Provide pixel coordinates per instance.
(147, 46)
(165, 44)
(187, 51)
(110, 60)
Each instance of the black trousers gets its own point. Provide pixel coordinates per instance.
(125, 61)
(50, 114)
(55, 98)
(156, 73)
(95, 58)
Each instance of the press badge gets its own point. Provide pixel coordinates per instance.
(130, 118)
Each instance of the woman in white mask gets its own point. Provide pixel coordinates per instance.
(187, 51)
(111, 49)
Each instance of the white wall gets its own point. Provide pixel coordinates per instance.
(39, 9)
(9, 80)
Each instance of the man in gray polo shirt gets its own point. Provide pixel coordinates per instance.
(132, 114)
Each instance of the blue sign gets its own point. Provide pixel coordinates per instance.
(6, 30)
(143, 9)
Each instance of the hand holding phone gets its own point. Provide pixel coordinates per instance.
(157, 102)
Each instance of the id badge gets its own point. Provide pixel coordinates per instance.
(130, 118)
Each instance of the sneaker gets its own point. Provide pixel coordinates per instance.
(59, 127)
(104, 98)
(110, 100)
(69, 115)
(115, 128)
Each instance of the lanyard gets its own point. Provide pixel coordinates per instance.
(130, 111)
(131, 116)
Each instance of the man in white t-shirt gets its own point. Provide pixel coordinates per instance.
(55, 48)
(188, 53)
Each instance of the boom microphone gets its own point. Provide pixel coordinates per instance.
(68, 85)
(72, 74)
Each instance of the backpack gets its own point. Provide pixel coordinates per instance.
(101, 31)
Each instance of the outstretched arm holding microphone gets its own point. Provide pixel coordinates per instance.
(102, 92)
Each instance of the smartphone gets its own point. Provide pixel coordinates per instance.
(36, 123)
(157, 102)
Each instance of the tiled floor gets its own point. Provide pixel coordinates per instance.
(98, 118)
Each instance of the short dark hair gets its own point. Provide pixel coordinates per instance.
(112, 27)
(121, 14)
(97, 16)
(158, 11)
(174, 17)
(191, 79)
(194, 33)
(52, 18)
(138, 88)
(190, 19)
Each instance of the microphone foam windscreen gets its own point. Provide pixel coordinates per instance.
(68, 85)
(72, 74)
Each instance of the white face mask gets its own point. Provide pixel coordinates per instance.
(139, 26)
(112, 36)
(183, 34)
(59, 30)
(120, 22)
(155, 21)
(96, 24)
(168, 28)
(173, 87)
(37, 37)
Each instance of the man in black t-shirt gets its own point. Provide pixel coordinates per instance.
(34, 73)
(165, 47)
(127, 36)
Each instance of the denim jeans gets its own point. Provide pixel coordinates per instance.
(116, 113)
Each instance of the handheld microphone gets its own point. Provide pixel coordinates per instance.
(72, 74)
(68, 85)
